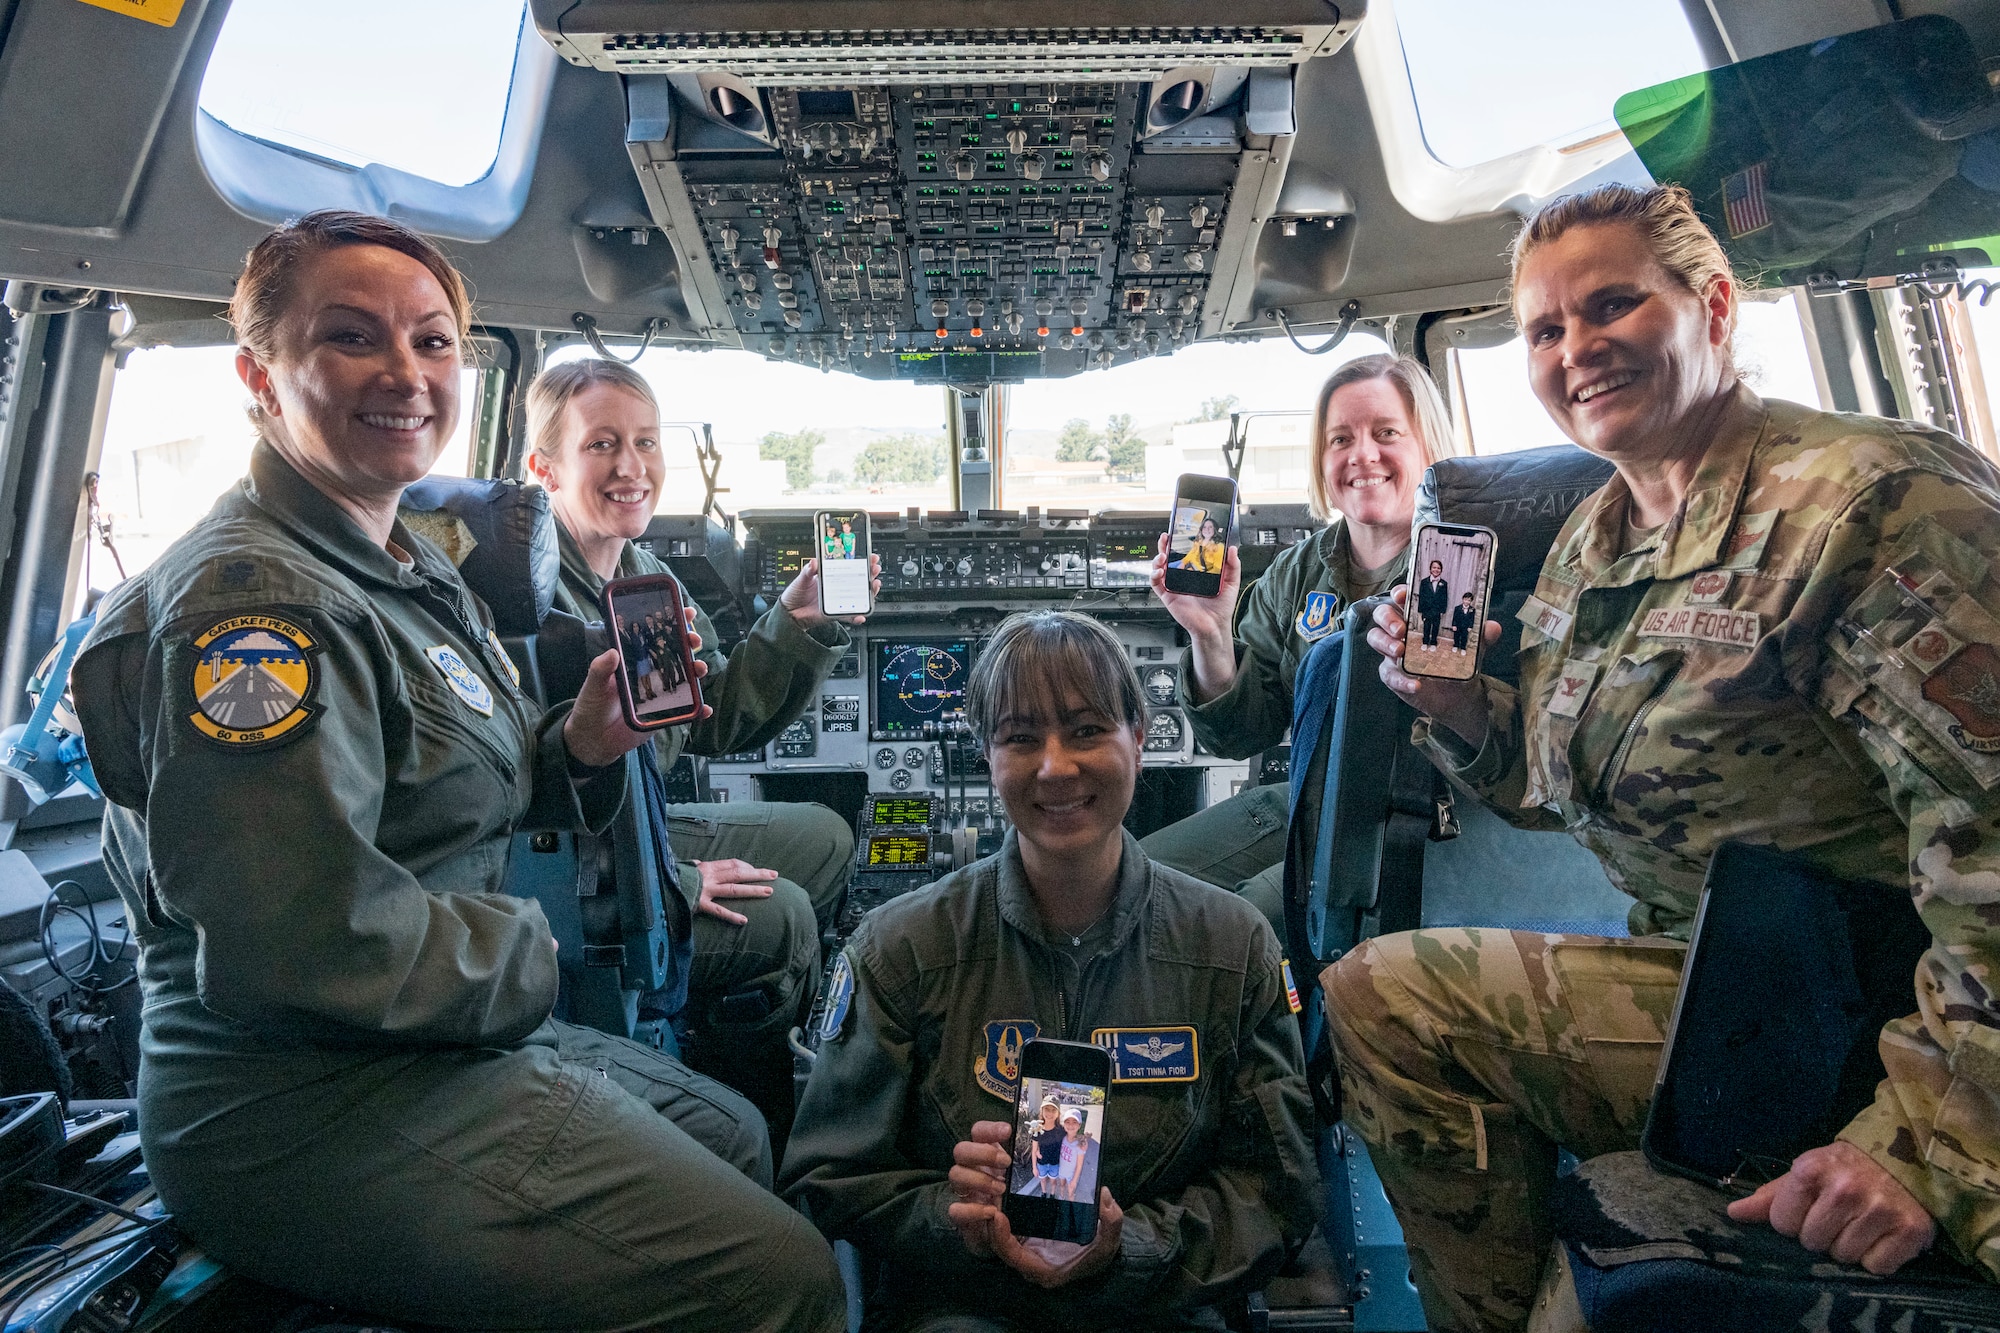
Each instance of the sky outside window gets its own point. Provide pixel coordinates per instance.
(418, 85)
(1494, 78)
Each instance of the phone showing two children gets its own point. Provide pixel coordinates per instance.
(1451, 570)
(840, 540)
(1058, 1141)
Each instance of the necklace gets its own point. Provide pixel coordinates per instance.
(1076, 939)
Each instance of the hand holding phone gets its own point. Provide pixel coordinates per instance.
(978, 1179)
(658, 677)
(1059, 1117)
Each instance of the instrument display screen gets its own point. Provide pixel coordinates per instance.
(919, 689)
(893, 810)
(899, 851)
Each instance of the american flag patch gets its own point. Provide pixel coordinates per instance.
(1744, 207)
(1291, 989)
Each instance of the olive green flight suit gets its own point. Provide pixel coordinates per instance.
(350, 1085)
(1215, 1172)
(771, 963)
(1752, 672)
(1239, 844)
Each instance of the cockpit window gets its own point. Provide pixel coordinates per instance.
(1494, 79)
(417, 85)
(1118, 438)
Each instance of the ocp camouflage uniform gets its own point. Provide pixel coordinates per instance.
(1750, 672)
(751, 983)
(1239, 844)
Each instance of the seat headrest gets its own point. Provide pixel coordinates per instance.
(1524, 497)
(511, 559)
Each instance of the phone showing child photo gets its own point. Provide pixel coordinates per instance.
(1058, 1141)
(648, 625)
(841, 543)
(1200, 532)
(1451, 569)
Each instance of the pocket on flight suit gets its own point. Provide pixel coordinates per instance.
(1965, 1137)
(1620, 994)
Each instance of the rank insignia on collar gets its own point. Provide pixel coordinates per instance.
(464, 682)
(513, 672)
(1318, 620)
(1151, 1055)
(1968, 687)
(999, 1070)
(254, 681)
(839, 999)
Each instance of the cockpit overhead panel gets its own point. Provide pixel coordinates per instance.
(961, 206)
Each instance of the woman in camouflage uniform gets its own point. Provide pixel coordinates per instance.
(1773, 625)
(1377, 423)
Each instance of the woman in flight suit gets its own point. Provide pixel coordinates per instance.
(764, 878)
(315, 752)
(905, 1137)
(1377, 424)
(1773, 625)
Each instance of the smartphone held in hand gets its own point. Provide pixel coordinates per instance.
(646, 619)
(1058, 1141)
(841, 543)
(1199, 534)
(1451, 573)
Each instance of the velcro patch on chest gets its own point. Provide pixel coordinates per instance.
(1703, 624)
(1151, 1055)
(1572, 688)
(500, 655)
(1538, 615)
(464, 681)
(1318, 618)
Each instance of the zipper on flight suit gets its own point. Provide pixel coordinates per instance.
(1624, 750)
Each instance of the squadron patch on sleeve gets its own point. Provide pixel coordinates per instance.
(999, 1069)
(254, 681)
(464, 682)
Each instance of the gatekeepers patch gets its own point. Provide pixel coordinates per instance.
(513, 672)
(464, 682)
(839, 999)
(999, 1070)
(254, 681)
(1151, 1055)
(1318, 620)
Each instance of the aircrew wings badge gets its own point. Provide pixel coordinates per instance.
(1151, 1055)
(254, 681)
(999, 1069)
(464, 682)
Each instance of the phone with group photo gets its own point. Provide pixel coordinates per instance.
(647, 621)
(1199, 534)
(1058, 1141)
(1451, 575)
(840, 540)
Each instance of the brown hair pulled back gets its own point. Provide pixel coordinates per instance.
(1664, 217)
(264, 293)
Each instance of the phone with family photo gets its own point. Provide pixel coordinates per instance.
(1451, 572)
(841, 543)
(646, 619)
(1199, 534)
(1058, 1141)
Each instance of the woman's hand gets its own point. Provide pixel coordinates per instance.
(1457, 704)
(801, 595)
(1209, 621)
(731, 879)
(979, 1177)
(595, 733)
(1838, 1200)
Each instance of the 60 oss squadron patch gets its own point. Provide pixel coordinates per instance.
(254, 681)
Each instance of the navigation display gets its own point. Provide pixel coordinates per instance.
(919, 689)
(899, 851)
(891, 811)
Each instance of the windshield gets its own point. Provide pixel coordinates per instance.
(1118, 438)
